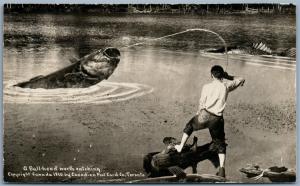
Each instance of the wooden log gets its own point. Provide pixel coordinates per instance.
(156, 164)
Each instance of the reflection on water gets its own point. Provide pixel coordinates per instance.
(87, 30)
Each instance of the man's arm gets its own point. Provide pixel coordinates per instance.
(202, 100)
(235, 81)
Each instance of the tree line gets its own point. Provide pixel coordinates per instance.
(201, 9)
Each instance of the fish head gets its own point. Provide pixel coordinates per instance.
(102, 63)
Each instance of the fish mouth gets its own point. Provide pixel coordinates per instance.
(111, 52)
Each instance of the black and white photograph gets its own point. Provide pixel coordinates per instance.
(149, 93)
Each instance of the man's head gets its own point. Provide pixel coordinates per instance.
(217, 72)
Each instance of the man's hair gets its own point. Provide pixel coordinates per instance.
(217, 71)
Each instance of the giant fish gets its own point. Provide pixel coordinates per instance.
(87, 71)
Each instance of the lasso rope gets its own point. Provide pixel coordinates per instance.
(182, 32)
(261, 174)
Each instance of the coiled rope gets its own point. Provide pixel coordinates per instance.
(182, 32)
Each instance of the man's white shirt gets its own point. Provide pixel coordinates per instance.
(214, 95)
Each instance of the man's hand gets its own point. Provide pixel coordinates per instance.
(225, 75)
(242, 83)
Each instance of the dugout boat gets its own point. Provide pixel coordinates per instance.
(256, 49)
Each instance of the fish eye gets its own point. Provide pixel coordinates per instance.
(112, 52)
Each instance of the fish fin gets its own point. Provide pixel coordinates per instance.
(177, 171)
(262, 47)
(73, 60)
(37, 77)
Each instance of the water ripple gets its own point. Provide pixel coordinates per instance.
(104, 92)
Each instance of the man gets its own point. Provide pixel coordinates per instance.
(210, 114)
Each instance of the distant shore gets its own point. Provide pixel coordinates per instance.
(190, 9)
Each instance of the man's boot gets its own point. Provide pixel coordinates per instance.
(221, 172)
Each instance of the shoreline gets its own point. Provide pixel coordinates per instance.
(69, 122)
